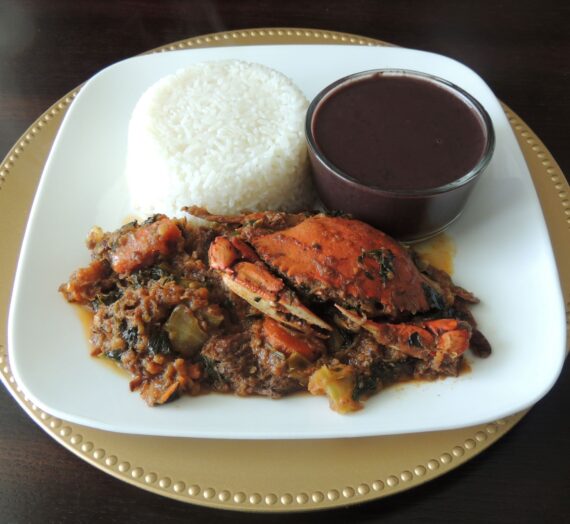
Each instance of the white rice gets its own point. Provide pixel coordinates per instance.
(226, 135)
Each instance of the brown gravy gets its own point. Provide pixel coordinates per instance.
(399, 132)
(86, 318)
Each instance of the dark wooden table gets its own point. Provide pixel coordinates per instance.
(521, 48)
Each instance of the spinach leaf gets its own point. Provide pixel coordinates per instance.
(159, 343)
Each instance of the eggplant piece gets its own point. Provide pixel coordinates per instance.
(184, 331)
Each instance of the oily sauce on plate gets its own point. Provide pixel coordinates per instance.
(438, 251)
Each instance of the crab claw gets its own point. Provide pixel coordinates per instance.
(246, 275)
(225, 252)
(433, 341)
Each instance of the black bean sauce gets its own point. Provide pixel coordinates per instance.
(399, 132)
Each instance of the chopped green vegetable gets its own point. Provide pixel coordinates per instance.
(385, 259)
(106, 299)
(434, 299)
(365, 386)
(129, 334)
(415, 340)
(158, 343)
(336, 382)
(114, 355)
(211, 371)
(143, 276)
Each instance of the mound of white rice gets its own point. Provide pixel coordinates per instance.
(225, 135)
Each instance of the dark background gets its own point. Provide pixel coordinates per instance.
(521, 49)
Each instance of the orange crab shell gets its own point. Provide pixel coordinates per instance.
(341, 259)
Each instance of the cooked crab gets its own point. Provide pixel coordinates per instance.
(281, 263)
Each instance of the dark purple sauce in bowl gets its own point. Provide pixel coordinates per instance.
(398, 149)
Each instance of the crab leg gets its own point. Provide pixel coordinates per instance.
(432, 341)
(200, 212)
(246, 275)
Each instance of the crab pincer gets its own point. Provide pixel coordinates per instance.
(248, 277)
(434, 341)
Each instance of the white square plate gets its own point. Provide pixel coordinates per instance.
(503, 255)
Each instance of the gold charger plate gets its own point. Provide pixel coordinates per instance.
(260, 475)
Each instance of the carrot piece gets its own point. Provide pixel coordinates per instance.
(284, 340)
(142, 246)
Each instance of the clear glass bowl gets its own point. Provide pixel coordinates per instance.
(407, 214)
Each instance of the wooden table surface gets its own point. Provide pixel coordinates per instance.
(521, 49)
